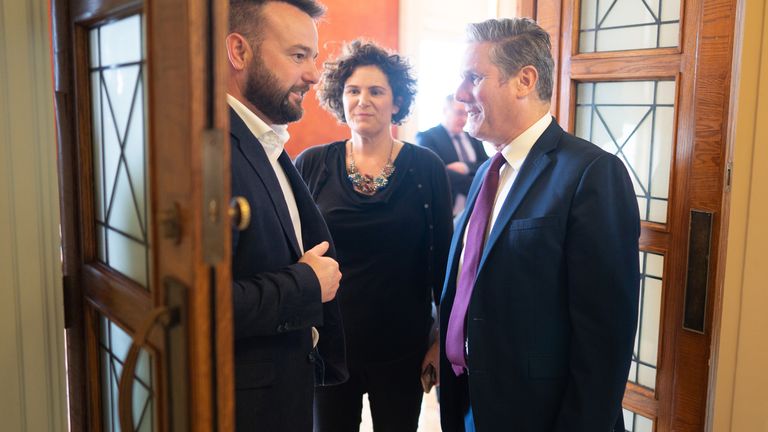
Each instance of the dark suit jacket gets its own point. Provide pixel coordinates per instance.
(552, 317)
(438, 140)
(276, 299)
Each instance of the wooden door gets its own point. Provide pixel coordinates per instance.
(649, 81)
(143, 166)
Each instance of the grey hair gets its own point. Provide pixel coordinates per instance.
(517, 42)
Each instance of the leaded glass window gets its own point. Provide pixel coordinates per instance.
(619, 25)
(642, 370)
(635, 121)
(114, 344)
(117, 64)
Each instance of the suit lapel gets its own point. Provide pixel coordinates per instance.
(457, 241)
(535, 163)
(308, 210)
(254, 153)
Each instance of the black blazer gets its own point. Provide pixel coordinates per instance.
(276, 299)
(438, 140)
(552, 316)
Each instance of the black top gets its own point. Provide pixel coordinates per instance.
(392, 247)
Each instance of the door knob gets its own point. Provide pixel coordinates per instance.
(240, 212)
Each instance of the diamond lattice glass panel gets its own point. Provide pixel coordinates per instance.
(634, 422)
(114, 344)
(119, 146)
(645, 354)
(619, 25)
(635, 121)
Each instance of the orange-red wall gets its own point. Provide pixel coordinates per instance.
(344, 21)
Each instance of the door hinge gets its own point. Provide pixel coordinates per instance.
(728, 175)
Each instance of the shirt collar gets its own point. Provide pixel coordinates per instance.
(516, 151)
(271, 137)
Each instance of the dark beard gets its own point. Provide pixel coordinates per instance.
(264, 92)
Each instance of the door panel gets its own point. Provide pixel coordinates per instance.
(137, 81)
(649, 82)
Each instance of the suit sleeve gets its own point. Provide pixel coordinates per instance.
(423, 140)
(277, 302)
(601, 252)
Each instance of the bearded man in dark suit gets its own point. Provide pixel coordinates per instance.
(288, 334)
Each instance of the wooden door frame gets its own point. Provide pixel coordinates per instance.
(184, 107)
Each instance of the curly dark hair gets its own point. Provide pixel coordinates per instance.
(364, 53)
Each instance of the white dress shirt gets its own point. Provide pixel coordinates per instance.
(273, 139)
(514, 153)
(463, 141)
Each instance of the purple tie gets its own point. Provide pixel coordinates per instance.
(473, 250)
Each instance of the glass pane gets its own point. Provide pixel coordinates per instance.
(114, 346)
(626, 38)
(634, 422)
(124, 212)
(629, 120)
(623, 13)
(97, 137)
(119, 146)
(127, 256)
(106, 392)
(121, 41)
(617, 25)
(645, 354)
(669, 34)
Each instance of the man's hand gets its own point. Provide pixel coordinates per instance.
(432, 357)
(459, 167)
(326, 269)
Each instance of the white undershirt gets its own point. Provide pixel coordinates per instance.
(463, 141)
(514, 153)
(273, 139)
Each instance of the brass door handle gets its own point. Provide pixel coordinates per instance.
(240, 212)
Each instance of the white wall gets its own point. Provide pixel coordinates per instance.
(431, 34)
(32, 377)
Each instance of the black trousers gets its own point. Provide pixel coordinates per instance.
(394, 392)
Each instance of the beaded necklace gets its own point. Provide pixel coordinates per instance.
(365, 183)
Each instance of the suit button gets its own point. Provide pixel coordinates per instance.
(311, 357)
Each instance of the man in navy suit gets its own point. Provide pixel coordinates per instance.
(288, 334)
(461, 153)
(539, 307)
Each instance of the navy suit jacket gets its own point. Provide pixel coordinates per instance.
(277, 299)
(552, 317)
(438, 140)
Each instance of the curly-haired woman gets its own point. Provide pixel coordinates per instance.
(388, 207)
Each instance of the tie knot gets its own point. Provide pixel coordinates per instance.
(496, 162)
